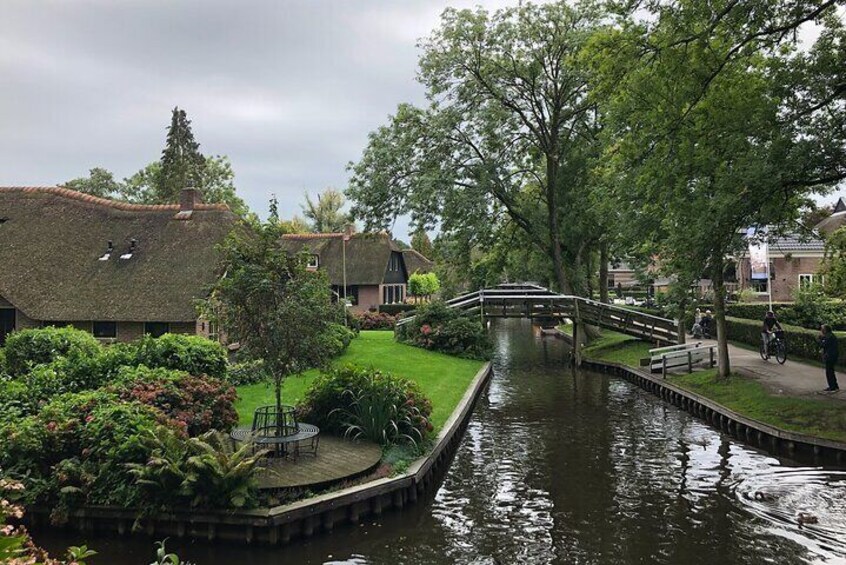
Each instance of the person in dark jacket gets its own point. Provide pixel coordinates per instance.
(828, 344)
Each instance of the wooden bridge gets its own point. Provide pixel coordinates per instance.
(532, 301)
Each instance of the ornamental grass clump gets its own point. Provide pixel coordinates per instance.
(368, 404)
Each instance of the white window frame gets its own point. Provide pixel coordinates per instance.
(313, 261)
(809, 277)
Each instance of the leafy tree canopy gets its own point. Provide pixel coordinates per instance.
(326, 215)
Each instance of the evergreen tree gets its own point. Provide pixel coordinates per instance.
(182, 163)
(421, 243)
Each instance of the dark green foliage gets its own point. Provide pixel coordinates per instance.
(801, 342)
(15, 400)
(182, 163)
(813, 308)
(204, 472)
(440, 328)
(247, 373)
(190, 353)
(27, 348)
(367, 403)
(339, 338)
(195, 404)
(99, 182)
(396, 309)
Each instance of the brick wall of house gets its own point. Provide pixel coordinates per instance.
(369, 296)
(183, 328)
(784, 276)
(130, 331)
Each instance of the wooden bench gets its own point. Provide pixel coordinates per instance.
(688, 354)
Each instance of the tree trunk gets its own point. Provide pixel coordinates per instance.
(723, 362)
(564, 286)
(603, 272)
(680, 329)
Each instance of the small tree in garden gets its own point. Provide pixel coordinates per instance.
(423, 284)
(272, 305)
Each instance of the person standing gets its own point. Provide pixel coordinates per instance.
(828, 344)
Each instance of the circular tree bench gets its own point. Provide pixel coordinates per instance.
(279, 431)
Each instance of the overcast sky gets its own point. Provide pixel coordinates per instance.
(288, 90)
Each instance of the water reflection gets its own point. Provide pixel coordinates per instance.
(557, 467)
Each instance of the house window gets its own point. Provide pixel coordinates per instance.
(806, 280)
(313, 262)
(393, 294)
(105, 329)
(759, 285)
(156, 329)
(214, 331)
(393, 263)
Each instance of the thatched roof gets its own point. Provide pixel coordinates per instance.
(836, 221)
(367, 255)
(51, 239)
(415, 262)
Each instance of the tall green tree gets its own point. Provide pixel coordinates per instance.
(182, 162)
(421, 243)
(508, 137)
(270, 303)
(716, 123)
(99, 182)
(326, 215)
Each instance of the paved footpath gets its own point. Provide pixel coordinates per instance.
(793, 378)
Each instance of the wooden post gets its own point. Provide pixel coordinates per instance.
(664, 366)
(577, 350)
(711, 354)
(689, 361)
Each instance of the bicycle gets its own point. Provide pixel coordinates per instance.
(776, 347)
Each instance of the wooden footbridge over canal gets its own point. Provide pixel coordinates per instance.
(549, 308)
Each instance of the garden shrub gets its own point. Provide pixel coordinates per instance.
(813, 308)
(203, 472)
(396, 309)
(440, 328)
(339, 338)
(368, 403)
(801, 342)
(190, 353)
(26, 349)
(195, 404)
(247, 373)
(376, 321)
(16, 400)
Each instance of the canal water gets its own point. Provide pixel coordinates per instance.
(557, 467)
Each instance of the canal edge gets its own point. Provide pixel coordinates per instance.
(279, 525)
(747, 430)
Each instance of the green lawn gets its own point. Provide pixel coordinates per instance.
(816, 417)
(820, 418)
(443, 378)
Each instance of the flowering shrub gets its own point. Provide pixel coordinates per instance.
(196, 404)
(367, 403)
(439, 328)
(375, 321)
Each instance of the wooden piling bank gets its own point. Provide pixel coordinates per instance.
(304, 518)
(757, 434)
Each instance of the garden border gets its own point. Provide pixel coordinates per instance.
(304, 518)
(752, 432)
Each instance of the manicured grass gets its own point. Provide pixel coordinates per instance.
(820, 418)
(443, 378)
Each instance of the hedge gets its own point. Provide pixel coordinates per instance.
(801, 342)
(394, 309)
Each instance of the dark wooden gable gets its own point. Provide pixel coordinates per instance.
(395, 271)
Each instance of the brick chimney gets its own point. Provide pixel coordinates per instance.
(189, 198)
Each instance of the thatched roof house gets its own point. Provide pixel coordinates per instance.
(117, 269)
(371, 267)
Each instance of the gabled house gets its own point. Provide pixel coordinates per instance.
(366, 268)
(836, 220)
(115, 269)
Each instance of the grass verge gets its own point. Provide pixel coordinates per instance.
(443, 378)
(822, 417)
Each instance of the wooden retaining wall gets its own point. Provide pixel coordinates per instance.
(303, 518)
(757, 434)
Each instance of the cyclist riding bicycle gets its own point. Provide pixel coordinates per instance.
(768, 329)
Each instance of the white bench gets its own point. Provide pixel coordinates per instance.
(664, 358)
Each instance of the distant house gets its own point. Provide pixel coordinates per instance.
(794, 263)
(115, 269)
(835, 221)
(370, 266)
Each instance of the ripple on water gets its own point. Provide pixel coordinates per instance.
(786, 497)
